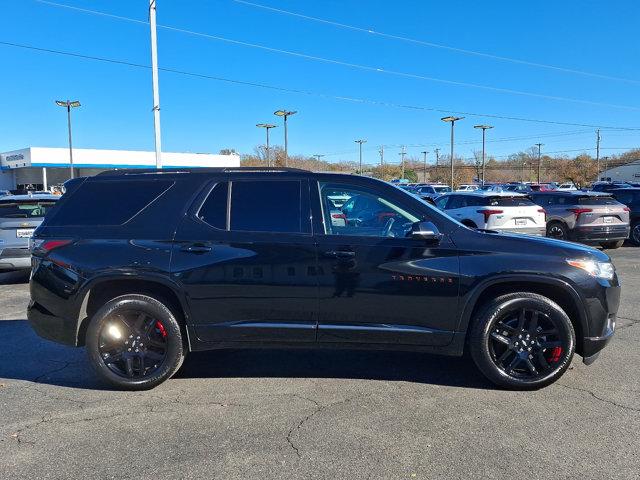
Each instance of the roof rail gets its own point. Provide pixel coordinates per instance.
(168, 171)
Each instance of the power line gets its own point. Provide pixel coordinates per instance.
(311, 93)
(368, 68)
(438, 45)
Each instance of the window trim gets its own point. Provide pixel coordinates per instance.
(196, 214)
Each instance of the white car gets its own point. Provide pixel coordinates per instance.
(467, 188)
(567, 186)
(501, 211)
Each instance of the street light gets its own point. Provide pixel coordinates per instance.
(267, 126)
(453, 121)
(484, 129)
(69, 104)
(425, 165)
(360, 142)
(539, 159)
(285, 114)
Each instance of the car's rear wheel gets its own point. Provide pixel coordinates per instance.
(522, 341)
(557, 230)
(635, 233)
(612, 245)
(134, 342)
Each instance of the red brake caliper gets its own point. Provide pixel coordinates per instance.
(556, 353)
(163, 332)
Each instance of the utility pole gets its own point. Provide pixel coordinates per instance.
(381, 152)
(606, 165)
(154, 81)
(598, 153)
(402, 154)
(437, 150)
(360, 142)
(425, 166)
(539, 145)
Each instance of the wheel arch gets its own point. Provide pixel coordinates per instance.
(556, 290)
(104, 288)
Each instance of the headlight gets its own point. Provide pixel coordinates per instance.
(604, 270)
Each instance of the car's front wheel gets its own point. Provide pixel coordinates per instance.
(134, 342)
(612, 245)
(635, 233)
(522, 341)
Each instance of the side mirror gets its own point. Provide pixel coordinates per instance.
(426, 231)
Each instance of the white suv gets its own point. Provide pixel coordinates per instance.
(502, 211)
(467, 188)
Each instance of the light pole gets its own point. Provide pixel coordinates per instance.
(402, 154)
(484, 129)
(69, 104)
(285, 114)
(424, 177)
(381, 152)
(154, 82)
(267, 126)
(524, 164)
(539, 145)
(453, 121)
(360, 142)
(606, 166)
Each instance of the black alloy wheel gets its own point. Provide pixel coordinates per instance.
(557, 230)
(522, 341)
(526, 344)
(635, 234)
(134, 342)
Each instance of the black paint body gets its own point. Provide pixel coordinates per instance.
(266, 289)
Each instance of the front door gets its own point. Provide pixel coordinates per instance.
(246, 259)
(376, 284)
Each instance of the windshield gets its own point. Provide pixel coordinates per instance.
(25, 208)
(442, 189)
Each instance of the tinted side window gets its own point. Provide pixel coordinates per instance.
(266, 206)
(108, 202)
(624, 197)
(456, 201)
(214, 208)
(441, 202)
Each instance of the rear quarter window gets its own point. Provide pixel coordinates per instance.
(107, 203)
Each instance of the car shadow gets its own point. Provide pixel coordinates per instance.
(25, 356)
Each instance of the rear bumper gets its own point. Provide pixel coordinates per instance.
(50, 327)
(15, 258)
(601, 233)
(541, 231)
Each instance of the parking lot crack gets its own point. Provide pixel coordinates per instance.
(601, 399)
(319, 408)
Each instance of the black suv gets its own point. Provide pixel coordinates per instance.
(142, 267)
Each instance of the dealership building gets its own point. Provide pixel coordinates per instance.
(40, 168)
(629, 172)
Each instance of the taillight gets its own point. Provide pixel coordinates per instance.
(488, 213)
(43, 246)
(339, 215)
(626, 209)
(542, 210)
(579, 211)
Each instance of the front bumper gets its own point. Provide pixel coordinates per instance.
(601, 233)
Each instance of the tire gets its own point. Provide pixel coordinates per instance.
(635, 233)
(557, 230)
(500, 321)
(134, 365)
(612, 245)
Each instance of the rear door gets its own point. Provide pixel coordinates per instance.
(245, 257)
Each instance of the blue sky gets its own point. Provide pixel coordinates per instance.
(203, 115)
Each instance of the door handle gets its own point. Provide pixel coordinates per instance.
(196, 248)
(339, 254)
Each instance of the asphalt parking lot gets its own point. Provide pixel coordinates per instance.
(316, 414)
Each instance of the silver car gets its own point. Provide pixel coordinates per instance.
(19, 217)
(586, 217)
